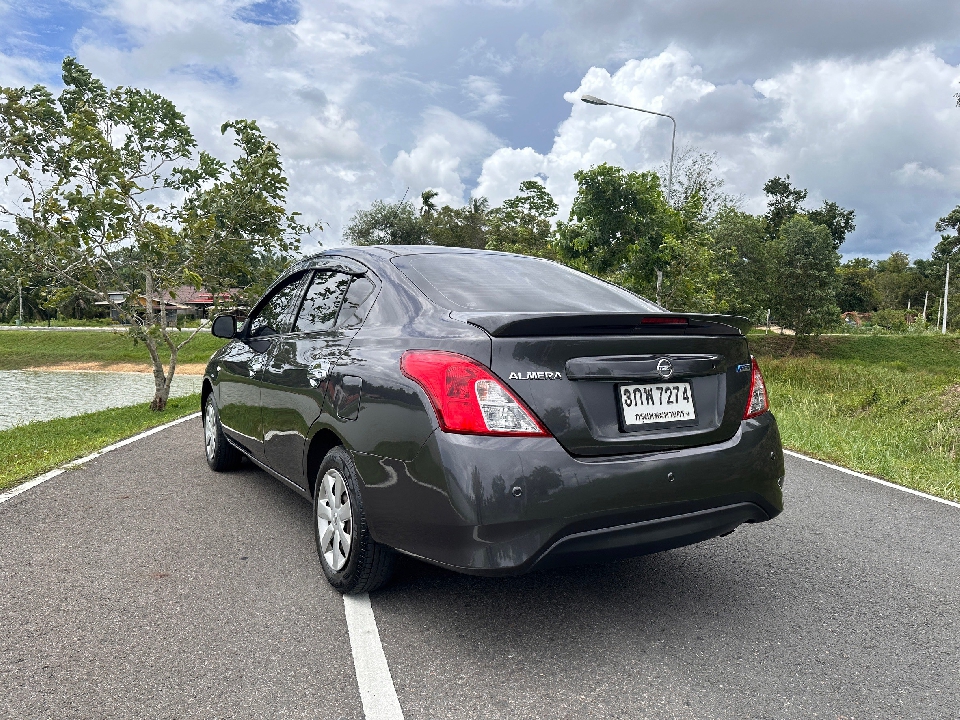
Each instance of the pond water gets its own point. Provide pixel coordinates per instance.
(28, 395)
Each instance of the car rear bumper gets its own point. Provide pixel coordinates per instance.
(501, 506)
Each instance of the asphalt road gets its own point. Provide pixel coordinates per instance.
(143, 585)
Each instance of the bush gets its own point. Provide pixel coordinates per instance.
(892, 320)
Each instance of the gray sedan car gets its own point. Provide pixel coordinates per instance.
(490, 413)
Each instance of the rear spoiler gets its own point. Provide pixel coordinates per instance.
(510, 324)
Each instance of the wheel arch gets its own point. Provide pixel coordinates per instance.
(205, 391)
(321, 442)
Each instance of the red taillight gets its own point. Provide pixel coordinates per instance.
(660, 320)
(758, 402)
(467, 397)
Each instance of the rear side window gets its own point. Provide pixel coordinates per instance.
(322, 301)
(488, 282)
(353, 310)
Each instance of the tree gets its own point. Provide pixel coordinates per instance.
(856, 289)
(464, 227)
(617, 224)
(783, 202)
(805, 275)
(836, 219)
(695, 174)
(116, 202)
(748, 262)
(387, 224)
(523, 224)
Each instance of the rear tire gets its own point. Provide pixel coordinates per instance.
(221, 455)
(352, 560)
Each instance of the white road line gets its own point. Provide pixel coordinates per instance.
(377, 693)
(9, 494)
(791, 453)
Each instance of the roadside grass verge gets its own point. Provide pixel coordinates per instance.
(32, 449)
(30, 348)
(885, 406)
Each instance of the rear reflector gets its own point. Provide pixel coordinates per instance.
(656, 320)
(467, 397)
(758, 402)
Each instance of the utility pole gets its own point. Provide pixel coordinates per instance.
(925, 296)
(768, 322)
(591, 100)
(659, 281)
(20, 295)
(946, 291)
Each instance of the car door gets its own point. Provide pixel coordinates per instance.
(241, 366)
(296, 384)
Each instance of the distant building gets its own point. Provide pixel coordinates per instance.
(185, 301)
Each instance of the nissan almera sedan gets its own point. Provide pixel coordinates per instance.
(490, 413)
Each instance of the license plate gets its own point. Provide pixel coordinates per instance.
(656, 404)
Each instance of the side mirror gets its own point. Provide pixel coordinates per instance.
(224, 326)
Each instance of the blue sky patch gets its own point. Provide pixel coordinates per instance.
(270, 12)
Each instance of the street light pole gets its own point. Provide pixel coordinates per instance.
(591, 100)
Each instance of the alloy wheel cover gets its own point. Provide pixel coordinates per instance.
(210, 430)
(334, 520)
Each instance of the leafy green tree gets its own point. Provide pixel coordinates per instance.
(856, 289)
(748, 262)
(804, 267)
(783, 202)
(617, 224)
(464, 227)
(115, 199)
(836, 219)
(523, 224)
(387, 224)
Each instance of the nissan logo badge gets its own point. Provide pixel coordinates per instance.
(665, 368)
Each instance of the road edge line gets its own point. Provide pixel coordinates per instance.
(23, 487)
(862, 476)
(377, 692)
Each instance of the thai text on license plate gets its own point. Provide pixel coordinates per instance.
(658, 403)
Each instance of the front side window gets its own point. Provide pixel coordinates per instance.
(322, 301)
(273, 317)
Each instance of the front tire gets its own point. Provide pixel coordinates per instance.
(221, 455)
(352, 560)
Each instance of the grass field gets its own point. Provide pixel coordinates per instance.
(35, 448)
(884, 405)
(31, 348)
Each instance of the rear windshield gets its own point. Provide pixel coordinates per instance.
(488, 282)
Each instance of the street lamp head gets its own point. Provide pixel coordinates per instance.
(593, 100)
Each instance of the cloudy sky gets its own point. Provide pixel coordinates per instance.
(853, 99)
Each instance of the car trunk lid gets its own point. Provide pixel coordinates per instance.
(571, 369)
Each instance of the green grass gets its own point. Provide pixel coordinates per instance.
(31, 348)
(31, 449)
(884, 405)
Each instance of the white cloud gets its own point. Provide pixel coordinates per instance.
(484, 93)
(879, 136)
(447, 149)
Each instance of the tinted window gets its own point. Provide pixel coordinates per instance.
(322, 301)
(352, 312)
(273, 318)
(510, 283)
